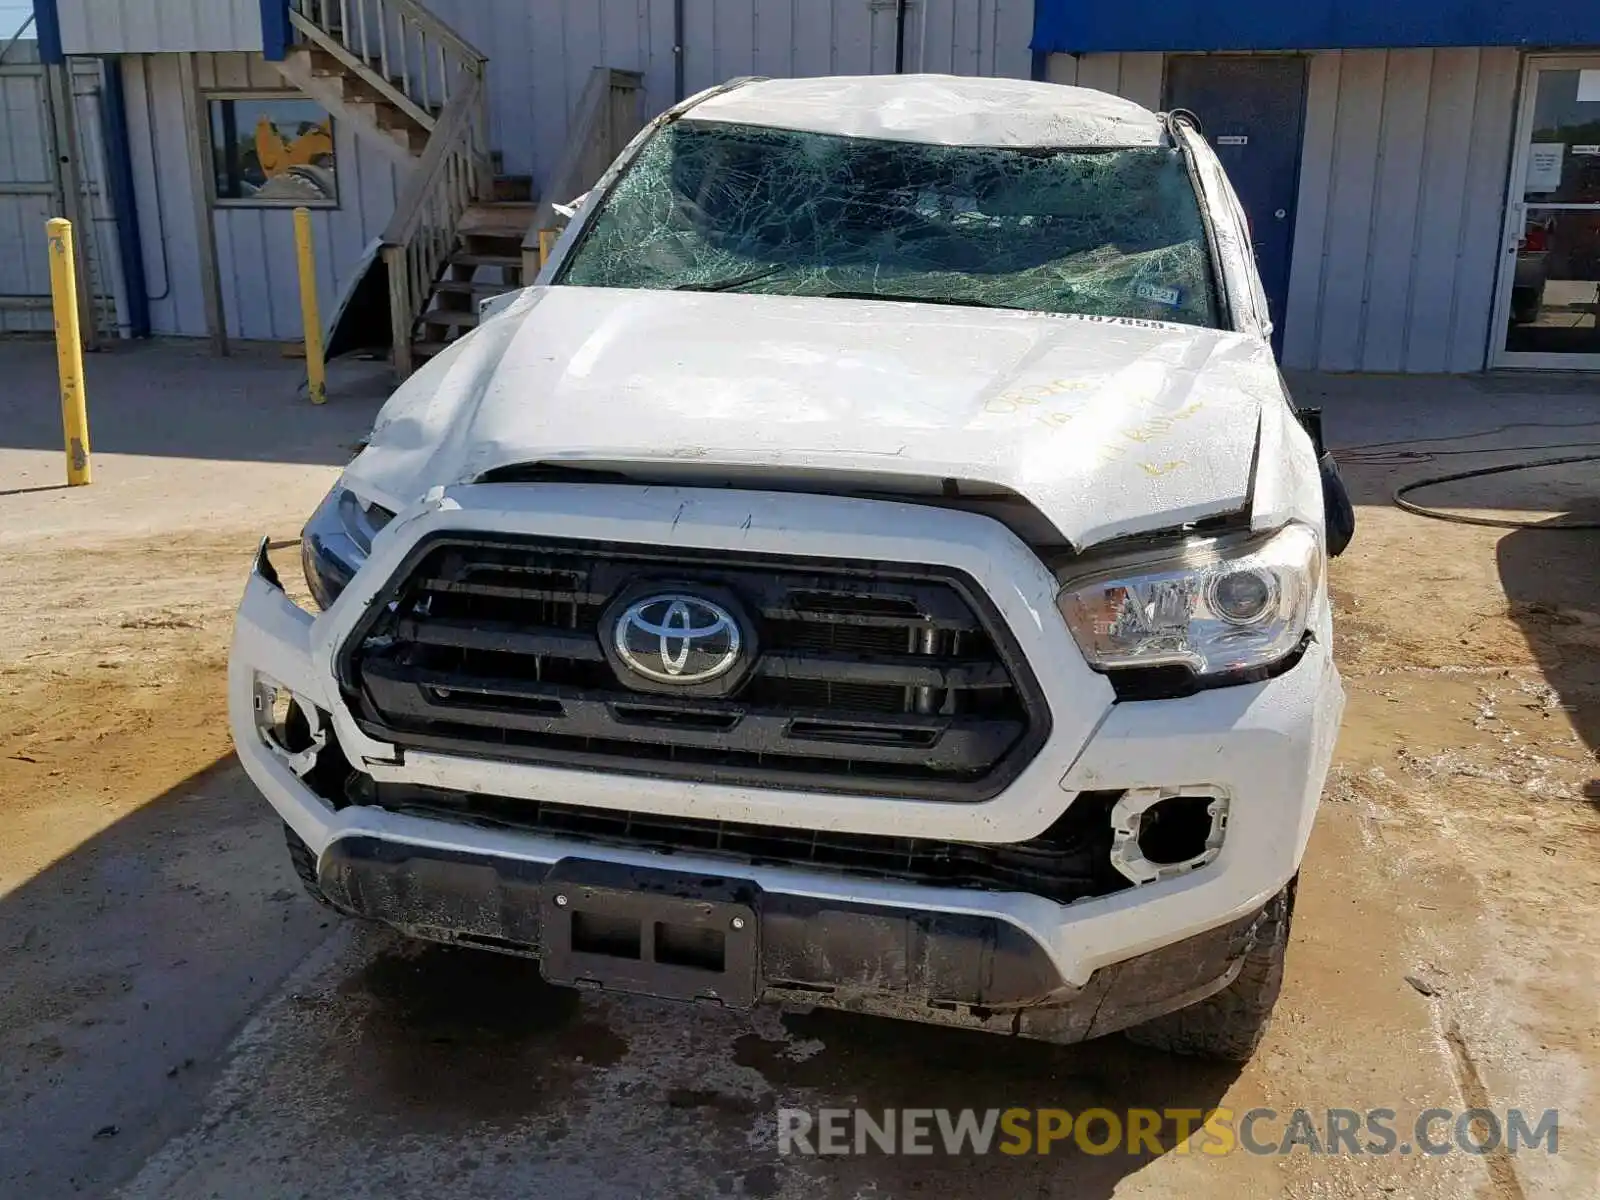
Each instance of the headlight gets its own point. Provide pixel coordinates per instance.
(1218, 606)
(336, 542)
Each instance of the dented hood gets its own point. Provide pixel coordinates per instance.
(1106, 426)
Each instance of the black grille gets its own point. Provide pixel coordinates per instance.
(1069, 861)
(868, 678)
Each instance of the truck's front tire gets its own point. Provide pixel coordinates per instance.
(1230, 1024)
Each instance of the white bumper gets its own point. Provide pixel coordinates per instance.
(1265, 746)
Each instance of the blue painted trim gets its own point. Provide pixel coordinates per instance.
(124, 205)
(1086, 26)
(47, 27)
(276, 33)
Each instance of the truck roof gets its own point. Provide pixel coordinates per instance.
(937, 109)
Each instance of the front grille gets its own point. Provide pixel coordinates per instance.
(867, 677)
(1069, 861)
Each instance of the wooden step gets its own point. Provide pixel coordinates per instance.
(474, 287)
(516, 188)
(501, 219)
(424, 349)
(411, 139)
(450, 318)
(464, 259)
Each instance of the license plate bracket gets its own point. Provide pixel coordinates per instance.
(651, 932)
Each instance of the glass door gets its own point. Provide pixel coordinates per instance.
(1549, 303)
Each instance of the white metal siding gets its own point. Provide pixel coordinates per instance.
(1402, 191)
(541, 53)
(33, 195)
(1134, 76)
(255, 246)
(158, 26)
(25, 161)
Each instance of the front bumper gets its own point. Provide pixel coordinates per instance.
(963, 970)
(1265, 746)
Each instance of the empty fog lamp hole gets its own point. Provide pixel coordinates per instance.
(1161, 832)
(292, 728)
(1243, 597)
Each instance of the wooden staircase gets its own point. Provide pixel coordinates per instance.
(487, 262)
(461, 231)
(407, 80)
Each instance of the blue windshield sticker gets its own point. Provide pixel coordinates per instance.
(1170, 296)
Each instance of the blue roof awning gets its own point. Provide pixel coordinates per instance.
(1085, 26)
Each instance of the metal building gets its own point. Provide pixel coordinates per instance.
(38, 181)
(1423, 180)
(200, 74)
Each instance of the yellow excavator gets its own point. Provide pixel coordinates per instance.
(277, 155)
(296, 170)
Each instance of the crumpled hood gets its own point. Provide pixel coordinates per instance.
(1106, 426)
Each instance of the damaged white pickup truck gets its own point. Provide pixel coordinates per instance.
(877, 565)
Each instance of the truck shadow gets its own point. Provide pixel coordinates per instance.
(135, 959)
(130, 964)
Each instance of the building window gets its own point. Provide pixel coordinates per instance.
(271, 148)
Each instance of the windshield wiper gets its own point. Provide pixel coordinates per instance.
(967, 303)
(733, 281)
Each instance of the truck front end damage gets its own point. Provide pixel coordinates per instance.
(877, 565)
(975, 830)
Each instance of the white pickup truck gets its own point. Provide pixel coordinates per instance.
(877, 565)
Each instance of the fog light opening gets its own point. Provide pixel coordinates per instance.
(1176, 830)
(293, 728)
(1158, 833)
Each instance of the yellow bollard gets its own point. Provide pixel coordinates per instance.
(316, 372)
(69, 351)
(547, 243)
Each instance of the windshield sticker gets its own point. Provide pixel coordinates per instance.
(1170, 296)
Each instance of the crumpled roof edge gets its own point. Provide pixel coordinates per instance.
(947, 110)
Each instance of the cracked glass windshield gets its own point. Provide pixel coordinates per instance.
(714, 207)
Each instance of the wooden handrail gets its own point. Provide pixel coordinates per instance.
(422, 233)
(425, 18)
(404, 51)
(596, 137)
(333, 46)
(445, 140)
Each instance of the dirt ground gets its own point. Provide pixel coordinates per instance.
(177, 1020)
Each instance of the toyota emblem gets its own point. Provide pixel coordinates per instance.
(676, 638)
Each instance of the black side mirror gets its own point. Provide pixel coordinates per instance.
(1339, 515)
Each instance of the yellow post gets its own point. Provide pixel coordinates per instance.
(316, 373)
(69, 351)
(547, 243)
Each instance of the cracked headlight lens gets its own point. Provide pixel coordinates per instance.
(1218, 606)
(336, 541)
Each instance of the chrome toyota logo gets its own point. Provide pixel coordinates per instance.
(677, 638)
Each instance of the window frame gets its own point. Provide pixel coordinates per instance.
(209, 95)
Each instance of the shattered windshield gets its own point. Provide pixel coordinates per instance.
(714, 207)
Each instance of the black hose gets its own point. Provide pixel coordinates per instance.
(900, 37)
(1491, 522)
